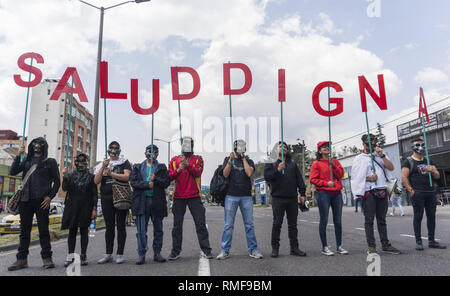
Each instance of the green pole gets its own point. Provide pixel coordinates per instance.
(426, 148)
(231, 123)
(68, 127)
(106, 129)
(151, 161)
(370, 145)
(282, 135)
(179, 119)
(329, 136)
(26, 111)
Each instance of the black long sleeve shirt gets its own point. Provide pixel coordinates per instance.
(284, 185)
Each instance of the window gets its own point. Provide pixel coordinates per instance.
(46, 107)
(48, 93)
(433, 140)
(406, 145)
(1, 180)
(46, 122)
(446, 132)
(12, 185)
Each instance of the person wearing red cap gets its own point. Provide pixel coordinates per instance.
(329, 195)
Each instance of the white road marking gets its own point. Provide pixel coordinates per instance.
(203, 265)
(301, 220)
(409, 235)
(359, 228)
(315, 222)
(446, 220)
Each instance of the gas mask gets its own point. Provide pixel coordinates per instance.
(38, 147)
(187, 145)
(419, 148)
(240, 147)
(148, 152)
(114, 151)
(81, 163)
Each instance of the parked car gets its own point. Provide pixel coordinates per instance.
(11, 223)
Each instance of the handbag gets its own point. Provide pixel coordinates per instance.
(13, 204)
(122, 195)
(391, 185)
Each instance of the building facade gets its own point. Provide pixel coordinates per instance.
(50, 119)
(438, 140)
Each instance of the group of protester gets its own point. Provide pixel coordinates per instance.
(150, 178)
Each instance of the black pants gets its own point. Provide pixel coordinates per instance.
(114, 217)
(424, 201)
(71, 241)
(27, 211)
(375, 207)
(280, 205)
(198, 213)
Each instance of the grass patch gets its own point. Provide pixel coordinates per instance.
(55, 233)
(261, 206)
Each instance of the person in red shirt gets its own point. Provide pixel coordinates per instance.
(329, 195)
(186, 169)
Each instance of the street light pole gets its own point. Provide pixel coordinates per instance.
(93, 152)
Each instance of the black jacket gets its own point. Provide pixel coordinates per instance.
(47, 173)
(284, 185)
(140, 185)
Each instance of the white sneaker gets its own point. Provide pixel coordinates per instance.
(120, 259)
(223, 255)
(105, 259)
(341, 250)
(392, 214)
(402, 214)
(326, 251)
(256, 255)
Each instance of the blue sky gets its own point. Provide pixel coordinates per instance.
(314, 40)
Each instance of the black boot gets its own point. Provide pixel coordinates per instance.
(274, 253)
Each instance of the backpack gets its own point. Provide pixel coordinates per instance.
(218, 186)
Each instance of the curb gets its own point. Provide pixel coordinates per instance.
(36, 242)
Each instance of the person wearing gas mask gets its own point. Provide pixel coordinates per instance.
(238, 169)
(415, 178)
(186, 170)
(80, 206)
(149, 180)
(115, 167)
(42, 186)
(286, 182)
(372, 190)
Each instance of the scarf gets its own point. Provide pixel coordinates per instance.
(80, 180)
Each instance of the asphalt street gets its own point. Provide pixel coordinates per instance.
(429, 262)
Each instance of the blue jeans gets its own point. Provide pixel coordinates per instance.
(245, 203)
(142, 225)
(324, 201)
(263, 200)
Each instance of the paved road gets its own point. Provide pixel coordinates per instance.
(429, 262)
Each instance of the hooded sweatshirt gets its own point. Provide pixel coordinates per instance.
(320, 175)
(284, 185)
(45, 180)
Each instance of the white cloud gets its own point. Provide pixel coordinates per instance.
(431, 75)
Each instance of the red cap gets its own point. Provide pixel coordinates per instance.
(321, 144)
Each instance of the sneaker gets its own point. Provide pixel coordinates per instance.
(391, 250)
(402, 214)
(392, 214)
(140, 260)
(372, 250)
(435, 245)
(419, 246)
(256, 255)
(83, 259)
(120, 259)
(158, 258)
(105, 259)
(298, 252)
(207, 255)
(19, 264)
(223, 255)
(341, 250)
(48, 263)
(274, 253)
(173, 256)
(326, 251)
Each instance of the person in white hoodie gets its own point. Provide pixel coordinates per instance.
(372, 190)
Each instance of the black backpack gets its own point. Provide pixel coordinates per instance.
(218, 186)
